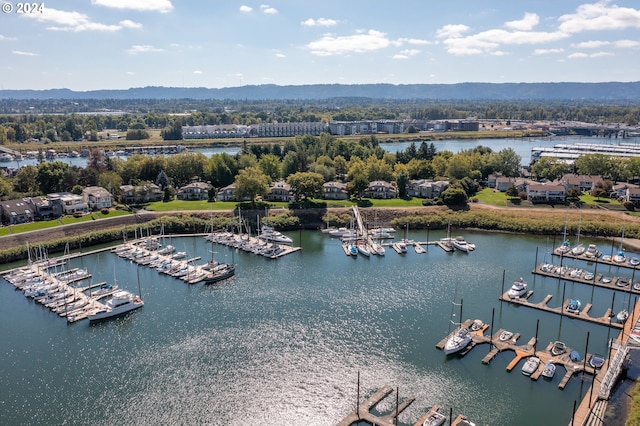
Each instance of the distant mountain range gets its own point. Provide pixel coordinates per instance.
(609, 91)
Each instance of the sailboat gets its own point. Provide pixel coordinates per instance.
(565, 247)
(460, 338)
(578, 249)
(620, 257)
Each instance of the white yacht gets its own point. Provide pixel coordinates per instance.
(578, 250)
(549, 370)
(518, 288)
(461, 244)
(434, 419)
(121, 302)
(458, 341)
(269, 234)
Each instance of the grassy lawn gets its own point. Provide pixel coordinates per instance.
(177, 205)
(489, 196)
(4, 231)
(34, 226)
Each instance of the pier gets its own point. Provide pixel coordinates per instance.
(499, 344)
(605, 319)
(363, 411)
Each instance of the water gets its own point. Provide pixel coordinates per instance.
(282, 341)
(522, 147)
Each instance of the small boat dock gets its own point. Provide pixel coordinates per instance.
(499, 344)
(363, 411)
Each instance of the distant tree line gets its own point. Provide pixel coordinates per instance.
(57, 120)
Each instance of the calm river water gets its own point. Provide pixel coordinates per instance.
(282, 342)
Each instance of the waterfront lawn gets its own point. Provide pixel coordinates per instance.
(492, 196)
(34, 226)
(177, 205)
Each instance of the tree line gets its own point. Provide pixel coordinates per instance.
(57, 120)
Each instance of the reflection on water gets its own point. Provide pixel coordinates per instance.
(282, 341)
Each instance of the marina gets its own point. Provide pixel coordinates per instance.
(299, 329)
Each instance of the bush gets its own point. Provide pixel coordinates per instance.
(78, 214)
(629, 206)
(104, 211)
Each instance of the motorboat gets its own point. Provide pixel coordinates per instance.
(622, 282)
(477, 325)
(588, 276)
(531, 365)
(400, 247)
(434, 419)
(578, 250)
(574, 356)
(634, 261)
(592, 251)
(179, 255)
(549, 370)
(458, 341)
(505, 335)
(574, 306)
(518, 289)
(465, 422)
(558, 348)
(596, 361)
(619, 258)
(622, 315)
(269, 234)
(377, 248)
(168, 249)
(461, 244)
(120, 303)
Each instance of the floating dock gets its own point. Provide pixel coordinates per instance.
(363, 411)
(606, 319)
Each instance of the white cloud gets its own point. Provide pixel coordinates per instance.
(5, 38)
(197, 72)
(582, 55)
(130, 24)
(246, 9)
(417, 41)
(268, 10)
(599, 16)
(21, 53)
(527, 23)
(547, 51)
(406, 54)
(162, 6)
(62, 20)
(450, 30)
(280, 55)
(143, 48)
(597, 44)
(320, 22)
(330, 45)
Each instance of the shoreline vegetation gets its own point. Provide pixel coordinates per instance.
(156, 139)
(593, 222)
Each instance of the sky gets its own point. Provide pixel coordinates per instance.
(119, 44)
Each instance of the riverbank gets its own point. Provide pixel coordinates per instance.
(593, 221)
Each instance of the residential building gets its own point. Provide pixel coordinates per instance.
(138, 194)
(17, 211)
(426, 188)
(335, 191)
(381, 189)
(584, 183)
(546, 193)
(194, 191)
(67, 203)
(226, 193)
(280, 191)
(96, 197)
(633, 195)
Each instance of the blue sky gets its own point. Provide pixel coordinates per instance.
(118, 44)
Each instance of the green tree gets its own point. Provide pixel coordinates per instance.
(509, 162)
(306, 184)
(454, 196)
(512, 191)
(172, 132)
(111, 181)
(26, 180)
(595, 164)
(270, 166)
(51, 176)
(250, 183)
(402, 180)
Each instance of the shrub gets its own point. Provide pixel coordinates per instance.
(629, 206)
(104, 211)
(78, 214)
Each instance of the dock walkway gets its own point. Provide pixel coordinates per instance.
(363, 411)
